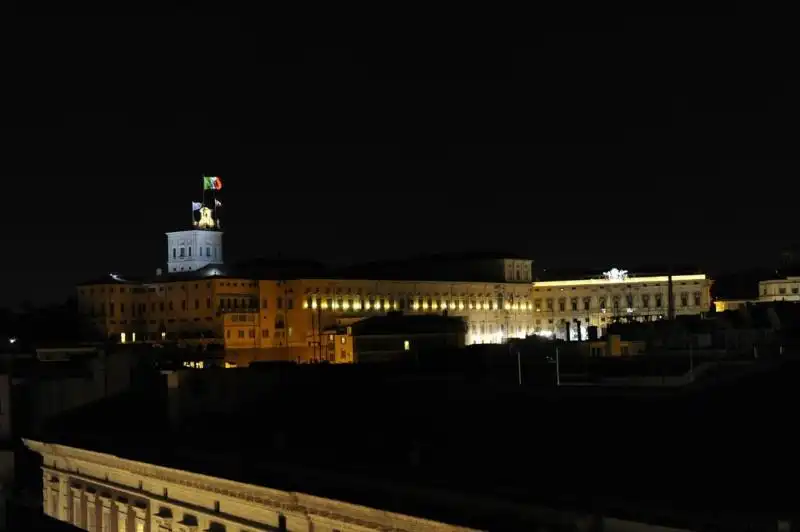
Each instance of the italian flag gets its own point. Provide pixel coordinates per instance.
(212, 183)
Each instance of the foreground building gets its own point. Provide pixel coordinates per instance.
(97, 491)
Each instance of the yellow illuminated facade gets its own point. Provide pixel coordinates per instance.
(598, 302)
(197, 299)
(250, 313)
(787, 289)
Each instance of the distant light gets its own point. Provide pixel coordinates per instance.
(116, 277)
(12, 340)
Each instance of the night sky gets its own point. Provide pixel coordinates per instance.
(636, 142)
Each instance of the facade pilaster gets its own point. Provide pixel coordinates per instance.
(64, 498)
(105, 516)
(91, 512)
(77, 507)
(122, 515)
(46, 493)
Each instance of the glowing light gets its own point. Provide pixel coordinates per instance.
(122, 337)
(444, 305)
(485, 305)
(314, 304)
(406, 345)
(630, 310)
(394, 306)
(133, 337)
(416, 305)
(506, 306)
(424, 305)
(434, 305)
(324, 304)
(346, 305)
(116, 277)
(460, 305)
(366, 305)
(163, 335)
(305, 304)
(545, 334)
(12, 340)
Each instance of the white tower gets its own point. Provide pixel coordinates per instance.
(188, 251)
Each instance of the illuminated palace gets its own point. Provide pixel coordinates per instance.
(271, 305)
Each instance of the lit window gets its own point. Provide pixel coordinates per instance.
(406, 345)
(122, 338)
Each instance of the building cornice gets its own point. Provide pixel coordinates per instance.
(291, 502)
(627, 280)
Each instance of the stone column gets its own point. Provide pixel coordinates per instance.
(64, 498)
(53, 497)
(77, 513)
(122, 515)
(45, 493)
(105, 520)
(91, 512)
(140, 514)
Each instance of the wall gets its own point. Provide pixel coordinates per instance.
(189, 250)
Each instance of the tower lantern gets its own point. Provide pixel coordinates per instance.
(196, 248)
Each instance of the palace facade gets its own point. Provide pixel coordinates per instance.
(276, 305)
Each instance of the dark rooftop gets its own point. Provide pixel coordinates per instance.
(398, 323)
(701, 454)
(442, 267)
